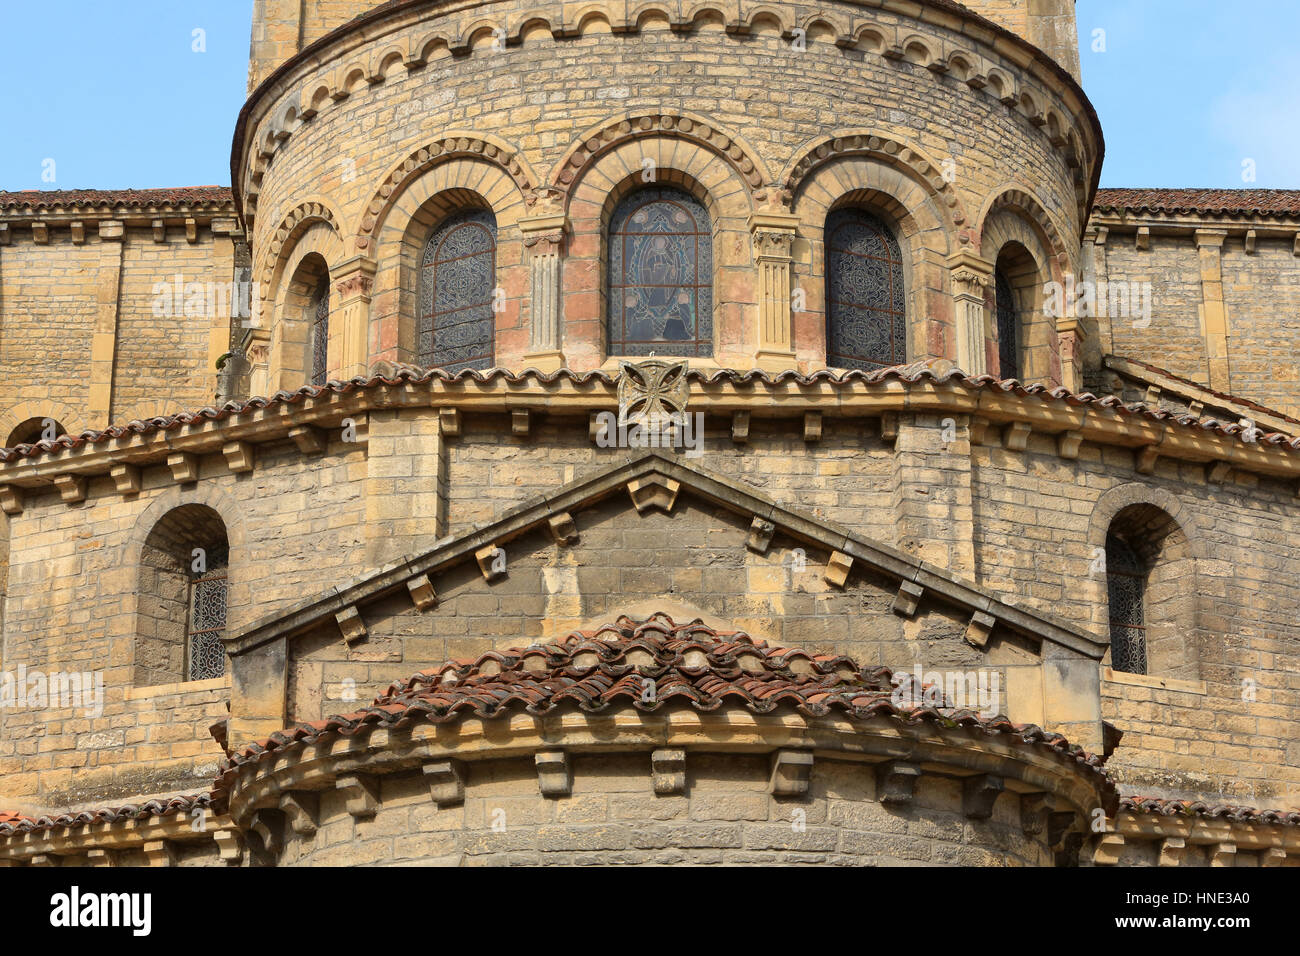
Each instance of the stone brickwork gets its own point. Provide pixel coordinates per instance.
(89, 336)
(914, 520)
(614, 817)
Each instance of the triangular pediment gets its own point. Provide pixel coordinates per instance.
(654, 484)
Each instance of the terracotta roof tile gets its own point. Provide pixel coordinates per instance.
(11, 822)
(1218, 202)
(606, 669)
(134, 198)
(1234, 399)
(940, 371)
(1196, 808)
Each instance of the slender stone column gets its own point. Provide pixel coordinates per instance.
(349, 340)
(773, 236)
(544, 242)
(970, 277)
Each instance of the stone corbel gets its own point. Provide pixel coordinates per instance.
(351, 624)
(896, 782)
(760, 535)
(126, 479)
(669, 770)
(979, 793)
(239, 456)
(563, 529)
(554, 775)
(773, 235)
(446, 780)
(1108, 850)
(653, 491)
(184, 467)
(423, 596)
(970, 277)
(791, 771)
(908, 598)
(11, 500)
(837, 569)
(349, 348)
(1172, 851)
(302, 810)
(544, 240)
(361, 792)
(72, 488)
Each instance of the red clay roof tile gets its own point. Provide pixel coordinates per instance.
(134, 198)
(1261, 202)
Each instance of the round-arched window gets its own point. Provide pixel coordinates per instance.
(866, 311)
(457, 292)
(660, 276)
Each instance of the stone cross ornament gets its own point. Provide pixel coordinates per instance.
(652, 391)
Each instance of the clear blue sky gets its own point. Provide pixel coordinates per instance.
(112, 91)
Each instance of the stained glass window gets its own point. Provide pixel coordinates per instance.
(457, 289)
(866, 315)
(207, 655)
(320, 331)
(660, 277)
(1008, 328)
(1126, 580)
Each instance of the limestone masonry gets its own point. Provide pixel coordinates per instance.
(652, 433)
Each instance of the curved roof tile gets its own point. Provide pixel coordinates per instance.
(607, 669)
(939, 370)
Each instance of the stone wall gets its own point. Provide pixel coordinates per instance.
(614, 817)
(88, 338)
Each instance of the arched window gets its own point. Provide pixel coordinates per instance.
(1126, 586)
(34, 430)
(457, 289)
(659, 285)
(1008, 327)
(181, 614)
(320, 331)
(866, 311)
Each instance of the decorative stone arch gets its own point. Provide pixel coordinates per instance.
(769, 13)
(203, 505)
(317, 254)
(1014, 227)
(613, 134)
(592, 18)
(449, 181)
(309, 212)
(706, 14)
(822, 27)
(450, 146)
(533, 20)
(684, 152)
(892, 181)
(16, 415)
(1164, 533)
(1022, 200)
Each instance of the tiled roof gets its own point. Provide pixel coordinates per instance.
(135, 198)
(11, 823)
(1196, 808)
(938, 371)
(1218, 202)
(606, 669)
(1192, 383)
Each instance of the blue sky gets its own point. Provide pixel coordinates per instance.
(1187, 90)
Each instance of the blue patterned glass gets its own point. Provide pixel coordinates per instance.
(457, 283)
(866, 324)
(660, 275)
(1008, 328)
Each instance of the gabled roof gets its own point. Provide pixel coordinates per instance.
(650, 468)
(607, 669)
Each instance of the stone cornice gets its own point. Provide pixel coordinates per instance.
(787, 397)
(952, 752)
